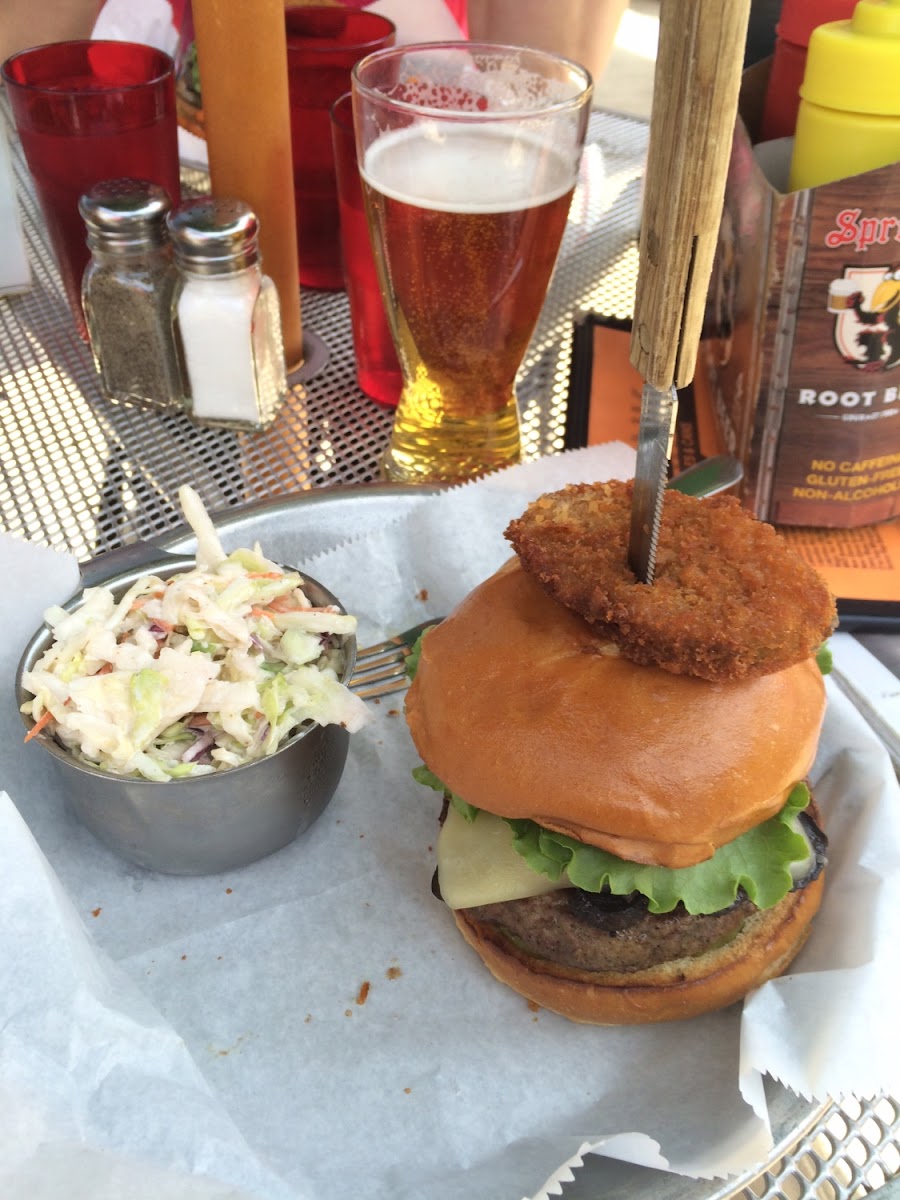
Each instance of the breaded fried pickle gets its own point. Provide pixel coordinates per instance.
(729, 599)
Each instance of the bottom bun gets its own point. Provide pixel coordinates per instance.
(671, 991)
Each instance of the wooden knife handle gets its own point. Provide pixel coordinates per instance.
(695, 93)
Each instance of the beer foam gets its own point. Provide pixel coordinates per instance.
(495, 167)
(487, 82)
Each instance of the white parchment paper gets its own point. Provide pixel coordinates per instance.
(217, 1029)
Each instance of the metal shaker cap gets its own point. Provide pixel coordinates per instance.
(214, 236)
(125, 213)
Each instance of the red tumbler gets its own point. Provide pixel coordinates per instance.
(323, 45)
(377, 369)
(798, 19)
(87, 111)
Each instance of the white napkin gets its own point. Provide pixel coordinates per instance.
(149, 22)
(419, 20)
(829, 1028)
(88, 1066)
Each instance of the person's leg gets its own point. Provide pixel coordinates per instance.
(583, 30)
(25, 23)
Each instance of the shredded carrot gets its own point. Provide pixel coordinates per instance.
(264, 575)
(39, 724)
(138, 604)
(282, 604)
(285, 604)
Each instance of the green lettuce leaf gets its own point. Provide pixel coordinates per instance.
(759, 861)
(412, 659)
(429, 779)
(546, 857)
(824, 658)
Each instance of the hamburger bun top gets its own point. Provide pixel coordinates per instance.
(522, 708)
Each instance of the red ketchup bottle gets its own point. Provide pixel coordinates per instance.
(798, 19)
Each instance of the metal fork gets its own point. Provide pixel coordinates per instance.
(381, 670)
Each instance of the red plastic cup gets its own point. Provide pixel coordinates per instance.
(87, 111)
(323, 45)
(377, 369)
(797, 21)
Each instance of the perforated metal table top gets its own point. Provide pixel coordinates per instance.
(81, 474)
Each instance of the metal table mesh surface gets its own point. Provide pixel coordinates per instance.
(81, 474)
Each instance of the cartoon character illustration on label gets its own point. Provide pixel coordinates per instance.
(866, 304)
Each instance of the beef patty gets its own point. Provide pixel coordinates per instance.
(599, 932)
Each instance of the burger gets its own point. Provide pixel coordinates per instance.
(627, 830)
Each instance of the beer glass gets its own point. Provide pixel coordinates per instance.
(469, 155)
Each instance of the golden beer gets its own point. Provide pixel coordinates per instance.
(466, 212)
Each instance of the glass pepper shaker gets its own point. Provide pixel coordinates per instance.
(227, 318)
(127, 292)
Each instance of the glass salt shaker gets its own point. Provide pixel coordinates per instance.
(127, 293)
(227, 319)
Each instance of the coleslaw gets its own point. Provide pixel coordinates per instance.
(206, 670)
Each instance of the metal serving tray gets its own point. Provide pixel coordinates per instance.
(825, 1151)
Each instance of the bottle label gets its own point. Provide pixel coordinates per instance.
(804, 357)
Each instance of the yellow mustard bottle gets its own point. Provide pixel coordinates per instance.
(849, 116)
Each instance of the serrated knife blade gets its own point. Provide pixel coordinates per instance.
(659, 411)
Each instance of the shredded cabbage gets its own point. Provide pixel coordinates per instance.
(206, 670)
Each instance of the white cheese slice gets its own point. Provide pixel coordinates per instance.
(478, 865)
(799, 870)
